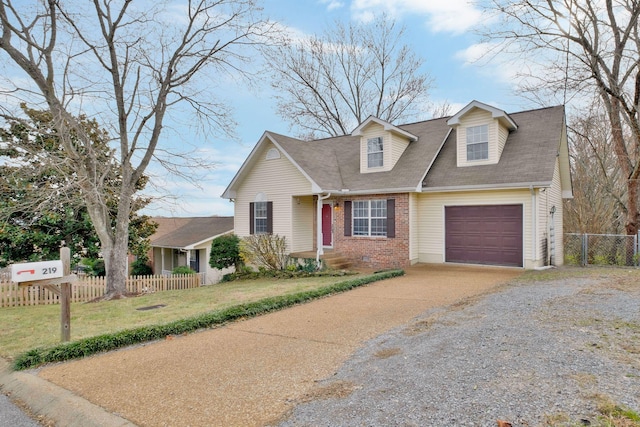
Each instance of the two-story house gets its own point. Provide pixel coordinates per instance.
(480, 187)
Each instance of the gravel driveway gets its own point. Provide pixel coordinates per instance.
(544, 352)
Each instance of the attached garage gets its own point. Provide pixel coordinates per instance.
(484, 234)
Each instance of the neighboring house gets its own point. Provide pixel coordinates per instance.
(187, 241)
(480, 187)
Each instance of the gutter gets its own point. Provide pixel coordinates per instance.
(513, 186)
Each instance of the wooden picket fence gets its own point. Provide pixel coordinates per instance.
(89, 288)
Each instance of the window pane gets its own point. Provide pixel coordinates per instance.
(375, 152)
(378, 209)
(478, 142)
(260, 215)
(360, 227)
(360, 209)
(379, 227)
(478, 151)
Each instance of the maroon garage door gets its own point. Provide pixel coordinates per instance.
(484, 234)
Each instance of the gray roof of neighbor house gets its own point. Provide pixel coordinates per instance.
(178, 232)
(430, 162)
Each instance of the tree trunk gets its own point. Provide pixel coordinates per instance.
(117, 269)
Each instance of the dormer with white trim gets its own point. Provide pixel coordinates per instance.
(482, 132)
(381, 144)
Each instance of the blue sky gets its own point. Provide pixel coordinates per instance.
(440, 31)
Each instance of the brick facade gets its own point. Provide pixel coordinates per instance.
(375, 252)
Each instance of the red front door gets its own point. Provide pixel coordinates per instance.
(327, 219)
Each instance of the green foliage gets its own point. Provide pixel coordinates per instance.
(183, 269)
(42, 204)
(268, 251)
(225, 252)
(107, 342)
(95, 267)
(140, 268)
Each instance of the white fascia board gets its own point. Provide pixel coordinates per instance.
(387, 127)
(496, 113)
(314, 185)
(344, 192)
(488, 187)
(230, 191)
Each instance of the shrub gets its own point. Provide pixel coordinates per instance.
(225, 252)
(183, 269)
(268, 251)
(95, 267)
(141, 268)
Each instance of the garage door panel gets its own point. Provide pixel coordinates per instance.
(484, 234)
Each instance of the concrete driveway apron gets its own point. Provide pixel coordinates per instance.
(251, 373)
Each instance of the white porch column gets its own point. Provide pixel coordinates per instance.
(320, 239)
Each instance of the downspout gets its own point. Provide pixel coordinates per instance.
(320, 239)
(534, 225)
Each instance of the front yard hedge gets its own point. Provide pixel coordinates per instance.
(112, 341)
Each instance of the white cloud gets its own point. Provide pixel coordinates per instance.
(332, 4)
(455, 16)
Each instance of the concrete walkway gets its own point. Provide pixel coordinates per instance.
(248, 373)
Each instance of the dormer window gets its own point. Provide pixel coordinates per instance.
(478, 143)
(375, 152)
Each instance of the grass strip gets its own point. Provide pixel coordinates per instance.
(112, 341)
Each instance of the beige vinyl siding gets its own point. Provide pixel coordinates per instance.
(431, 219)
(478, 117)
(398, 145)
(546, 199)
(304, 211)
(503, 134)
(414, 228)
(555, 199)
(375, 130)
(394, 146)
(279, 180)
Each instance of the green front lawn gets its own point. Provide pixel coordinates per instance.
(24, 328)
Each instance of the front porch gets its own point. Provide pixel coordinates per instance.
(331, 259)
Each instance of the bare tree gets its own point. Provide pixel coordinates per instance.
(327, 85)
(128, 63)
(598, 186)
(585, 46)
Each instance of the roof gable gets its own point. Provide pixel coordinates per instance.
(267, 137)
(528, 158)
(496, 113)
(359, 131)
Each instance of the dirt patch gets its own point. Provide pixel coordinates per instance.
(388, 352)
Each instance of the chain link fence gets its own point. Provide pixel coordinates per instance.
(601, 249)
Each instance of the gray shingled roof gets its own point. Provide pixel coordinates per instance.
(528, 157)
(334, 163)
(176, 232)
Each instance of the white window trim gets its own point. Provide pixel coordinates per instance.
(369, 218)
(381, 151)
(256, 229)
(478, 142)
